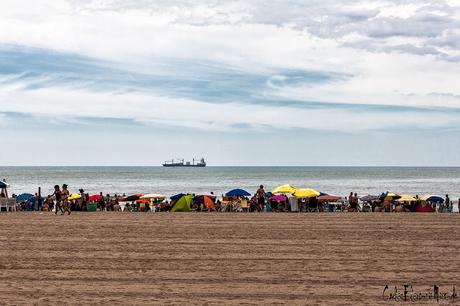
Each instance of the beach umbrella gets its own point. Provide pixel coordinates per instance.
(284, 189)
(432, 198)
(3, 185)
(306, 193)
(74, 196)
(370, 198)
(153, 196)
(278, 198)
(238, 193)
(133, 197)
(390, 196)
(95, 197)
(177, 196)
(328, 198)
(24, 197)
(406, 198)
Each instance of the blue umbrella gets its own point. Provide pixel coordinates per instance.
(177, 196)
(238, 193)
(435, 199)
(24, 197)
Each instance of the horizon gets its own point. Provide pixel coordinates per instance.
(331, 83)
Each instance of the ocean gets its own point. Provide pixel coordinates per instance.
(332, 180)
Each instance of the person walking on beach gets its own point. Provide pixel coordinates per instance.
(260, 193)
(58, 195)
(65, 201)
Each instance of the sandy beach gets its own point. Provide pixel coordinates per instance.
(192, 258)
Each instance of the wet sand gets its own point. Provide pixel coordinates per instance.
(189, 258)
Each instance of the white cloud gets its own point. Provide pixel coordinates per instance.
(389, 48)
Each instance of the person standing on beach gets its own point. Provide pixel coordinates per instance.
(260, 193)
(65, 201)
(447, 202)
(58, 195)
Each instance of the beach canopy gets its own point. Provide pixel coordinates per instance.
(406, 198)
(24, 197)
(238, 193)
(432, 198)
(306, 193)
(74, 196)
(328, 198)
(183, 204)
(95, 197)
(369, 198)
(284, 189)
(153, 196)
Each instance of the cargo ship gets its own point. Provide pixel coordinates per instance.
(181, 163)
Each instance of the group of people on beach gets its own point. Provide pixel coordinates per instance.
(60, 201)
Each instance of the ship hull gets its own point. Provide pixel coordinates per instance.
(187, 166)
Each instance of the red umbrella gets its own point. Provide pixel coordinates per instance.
(95, 197)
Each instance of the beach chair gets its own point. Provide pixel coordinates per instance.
(244, 205)
(8, 203)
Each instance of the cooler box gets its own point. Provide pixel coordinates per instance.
(91, 207)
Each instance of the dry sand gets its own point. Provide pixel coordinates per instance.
(189, 258)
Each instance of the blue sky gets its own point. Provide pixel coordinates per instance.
(238, 82)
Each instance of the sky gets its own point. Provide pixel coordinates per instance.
(311, 83)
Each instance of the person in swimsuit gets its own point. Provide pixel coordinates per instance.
(58, 195)
(65, 203)
(260, 198)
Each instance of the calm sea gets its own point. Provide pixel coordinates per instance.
(332, 180)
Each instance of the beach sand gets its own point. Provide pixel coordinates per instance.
(189, 258)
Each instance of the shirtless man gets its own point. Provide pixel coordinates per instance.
(260, 198)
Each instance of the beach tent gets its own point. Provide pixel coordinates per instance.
(183, 204)
(284, 189)
(24, 197)
(209, 202)
(238, 193)
(306, 193)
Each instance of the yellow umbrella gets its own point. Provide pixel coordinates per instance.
(284, 189)
(390, 196)
(74, 196)
(406, 198)
(306, 193)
